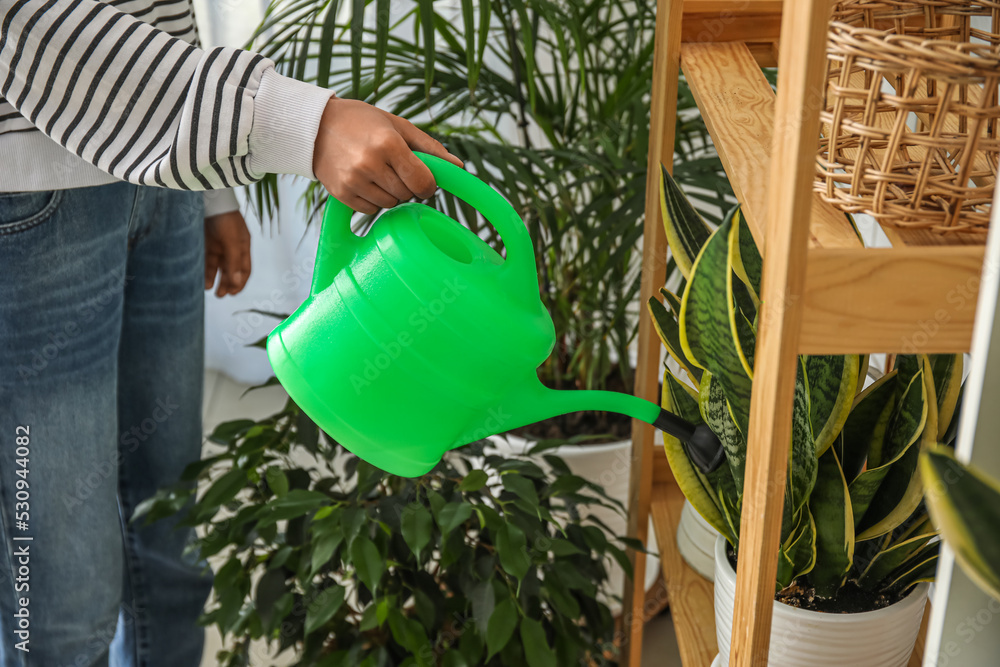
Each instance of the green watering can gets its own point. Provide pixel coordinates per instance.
(418, 337)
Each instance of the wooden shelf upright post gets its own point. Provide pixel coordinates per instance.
(823, 291)
(666, 72)
(802, 59)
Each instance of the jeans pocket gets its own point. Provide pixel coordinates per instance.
(20, 211)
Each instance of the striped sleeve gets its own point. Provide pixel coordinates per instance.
(150, 108)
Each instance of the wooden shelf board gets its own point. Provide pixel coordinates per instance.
(692, 601)
(738, 106)
(909, 300)
(917, 657)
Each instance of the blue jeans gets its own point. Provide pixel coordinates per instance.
(101, 380)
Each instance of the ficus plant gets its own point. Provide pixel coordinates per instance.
(486, 560)
(853, 511)
(548, 102)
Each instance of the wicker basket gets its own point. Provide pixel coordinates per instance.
(910, 119)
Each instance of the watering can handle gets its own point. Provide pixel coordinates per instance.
(337, 241)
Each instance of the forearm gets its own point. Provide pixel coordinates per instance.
(149, 108)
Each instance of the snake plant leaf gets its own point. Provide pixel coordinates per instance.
(797, 555)
(803, 462)
(947, 371)
(833, 383)
(872, 405)
(687, 232)
(672, 300)
(863, 370)
(965, 506)
(951, 433)
(902, 489)
(898, 559)
(667, 329)
(744, 256)
(922, 571)
(731, 512)
(706, 332)
(743, 329)
(830, 506)
(904, 428)
(716, 412)
(695, 486)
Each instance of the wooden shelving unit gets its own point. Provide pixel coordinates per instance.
(826, 293)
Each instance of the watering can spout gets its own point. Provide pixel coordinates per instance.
(533, 402)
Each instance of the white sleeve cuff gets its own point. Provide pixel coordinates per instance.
(285, 122)
(220, 201)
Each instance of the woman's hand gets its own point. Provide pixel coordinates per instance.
(227, 252)
(364, 156)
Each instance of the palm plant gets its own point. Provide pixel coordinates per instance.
(548, 101)
(853, 512)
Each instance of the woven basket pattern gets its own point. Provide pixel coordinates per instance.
(910, 118)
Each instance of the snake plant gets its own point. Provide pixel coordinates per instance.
(853, 510)
(965, 505)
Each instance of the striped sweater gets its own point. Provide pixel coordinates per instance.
(96, 92)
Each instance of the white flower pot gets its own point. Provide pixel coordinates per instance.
(799, 637)
(608, 466)
(696, 541)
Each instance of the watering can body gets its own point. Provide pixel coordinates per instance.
(418, 337)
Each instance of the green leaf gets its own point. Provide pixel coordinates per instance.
(830, 507)
(863, 424)
(326, 44)
(717, 413)
(270, 587)
(367, 561)
(894, 557)
(411, 636)
(323, 547)
(474, 481)
(483, 603)
(383, 11)
(224, 488)
(501, 627)
(797, 556)
(512, 550)
(227, 432)
(357, 33)
(276, 481)
(833, 383)
(686, 232)
(536, 646)
(946, 369)
(427, 22)
(416, 524)
(322, 607)
(745, 257)
(903, 429)
(560, 547)
(706, 333)
(668, 329)
(695, 486)
(453, 515)
(521, 487)
(803, 462)
(453, 658)
(965, 506)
